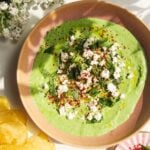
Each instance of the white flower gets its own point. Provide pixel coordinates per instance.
(111, 87)
(62, 111)
(98, 116)
(90, 116)
(62, 89)
(3, 6)
(105, 74)
(13, 10)
(122, 96)
(64, 56)
(115, 94)
(6, 32)
(88, 54)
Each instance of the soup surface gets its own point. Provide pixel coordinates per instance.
(88, 76)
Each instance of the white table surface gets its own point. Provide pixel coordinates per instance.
(9, 53)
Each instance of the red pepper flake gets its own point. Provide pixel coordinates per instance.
(137, 147)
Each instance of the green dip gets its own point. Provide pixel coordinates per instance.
(131, 82)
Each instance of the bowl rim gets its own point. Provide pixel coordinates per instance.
(33, 30)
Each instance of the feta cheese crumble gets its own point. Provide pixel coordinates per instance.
(111, 87)
(105, 74)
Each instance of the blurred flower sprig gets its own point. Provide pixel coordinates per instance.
(14, 14)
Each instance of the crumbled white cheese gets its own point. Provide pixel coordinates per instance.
(116, 75)
(115, 60)
(93, 102)
(63, 77)
(72, 66)
(96, 57)
(62, 89)
(71, 115)
(62, 66)
(102, 63)
(122, 96)
(94, 62)
(71, 54)
(89, 69)
(115, 94)
(45, 86)
(118, 69)
(67, 106)
(89, 81)
(88, 53)
(95, 80)
(64, 56)
(121, 64)
(62, 111)
(85, 74)
(59, 71)
(114, 48)
(105, 49)
(80, 85)
(72, 39)
(93, 108)
(130, 76)
(111, 87)
(90, 116)
(98, 116)
(105, 74)
(88, 42)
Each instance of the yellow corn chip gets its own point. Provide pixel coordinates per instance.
(12, 130)
(34, 143)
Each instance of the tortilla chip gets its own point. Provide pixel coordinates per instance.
(4, 104)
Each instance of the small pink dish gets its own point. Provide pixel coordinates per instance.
(139, 138)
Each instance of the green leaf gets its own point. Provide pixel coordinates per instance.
(94, 91)
(106, 102)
